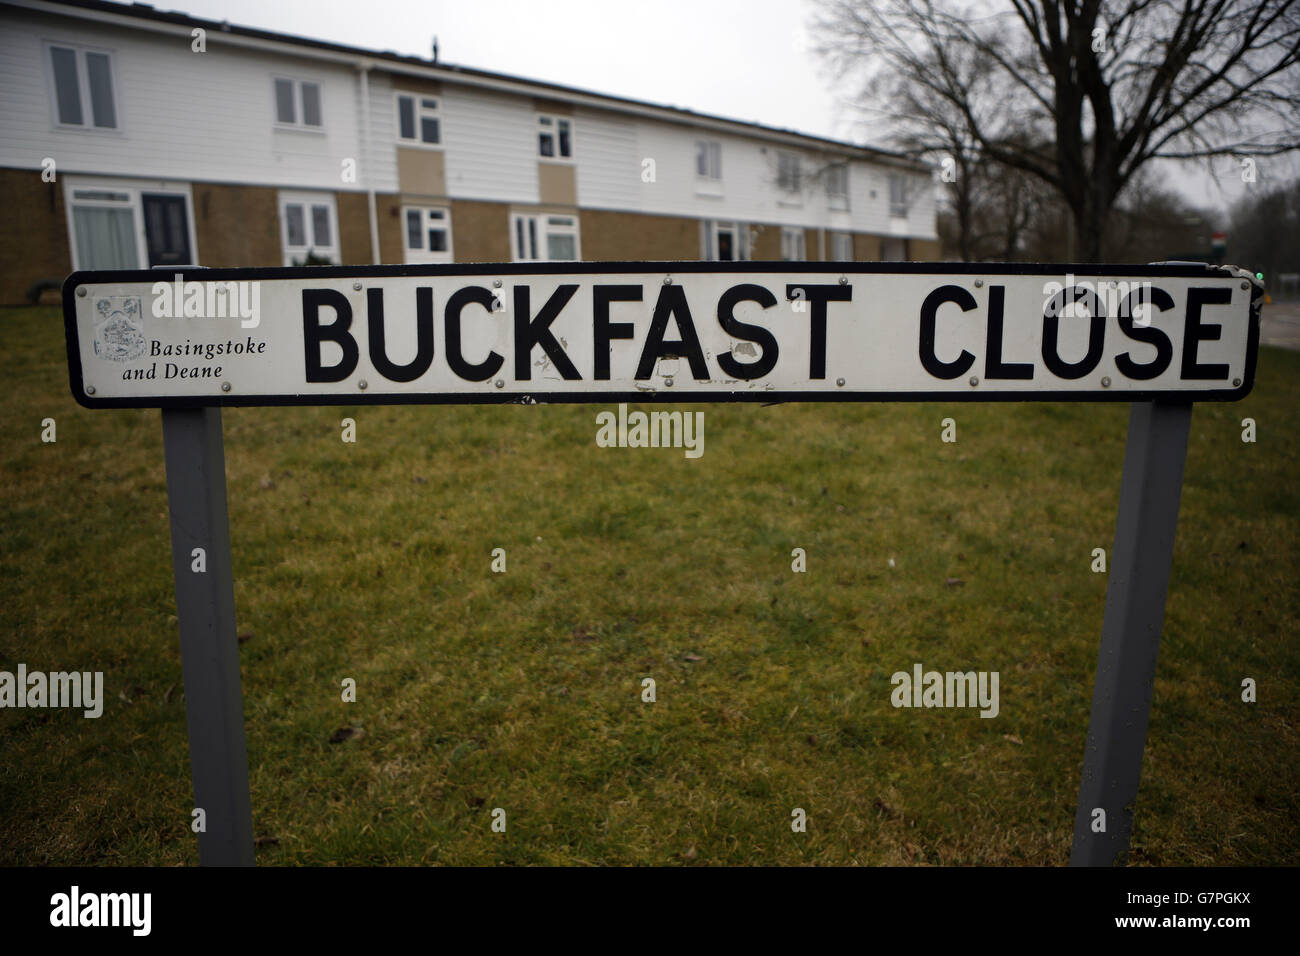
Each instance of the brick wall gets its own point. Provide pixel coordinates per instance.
(613, 236)
(866, 248)
(481, 231)
(923, 250)
(34, 239)
(236, 226)
(354, 228)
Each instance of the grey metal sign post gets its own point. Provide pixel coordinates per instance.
(205, 605)
(1140, 565)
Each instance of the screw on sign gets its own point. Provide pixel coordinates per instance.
(1160, 337)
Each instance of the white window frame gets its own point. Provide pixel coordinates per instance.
(420, 111)
(792, 190)
(837, 200)
(839, 239)
(83, 87)
(713, 160)
(307, 200)
(555, 120)
(421, 255)
(134, 188)
(899, 208)
(299, 124)
(708, 184)
(794, 244)
(537, 227)
(709, 230)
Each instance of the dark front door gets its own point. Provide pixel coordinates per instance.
(166, 230)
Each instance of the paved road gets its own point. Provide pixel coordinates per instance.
(1280, 325)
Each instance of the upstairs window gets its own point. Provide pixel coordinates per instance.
(788, 172)
(708, 160)
(82, 83)
(554, 137)
(899, 198)
(297, 103)
(418, 120)
(837, 186)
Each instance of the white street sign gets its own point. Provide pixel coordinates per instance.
(679, 331)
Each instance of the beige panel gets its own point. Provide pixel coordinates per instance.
(421, 171)
(557, 184)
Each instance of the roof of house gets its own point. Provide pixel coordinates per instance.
(452, 73)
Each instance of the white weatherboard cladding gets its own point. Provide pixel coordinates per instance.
(872, 342)
(611, 152)
(609, 160)
(379, 165)
(182, 115)
(491, 145)
(209, 117)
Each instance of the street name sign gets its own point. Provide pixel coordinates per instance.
(658, 331)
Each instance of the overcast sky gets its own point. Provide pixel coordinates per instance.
(744, 59)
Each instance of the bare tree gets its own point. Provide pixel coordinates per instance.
(1265, 233)
(1080, 94)
(1005, 212)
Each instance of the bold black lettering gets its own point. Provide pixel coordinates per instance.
(423, 336)
(747, 292)
(1052, 328)
(1145, 333)
(604, 330)
(313, 334)
(819, 295)
(929, 310)
(994, 367)
(451, 318)
(672, 302)
(1195, 331)
(537, 331)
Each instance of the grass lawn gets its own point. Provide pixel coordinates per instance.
(522, 690)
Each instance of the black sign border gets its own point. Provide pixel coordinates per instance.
(684, 396)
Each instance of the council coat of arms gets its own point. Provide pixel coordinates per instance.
(119, 331)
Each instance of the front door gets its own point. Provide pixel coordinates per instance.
(166, 230)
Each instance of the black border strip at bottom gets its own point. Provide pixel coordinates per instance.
(923, 904)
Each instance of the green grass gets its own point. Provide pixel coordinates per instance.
(522, 691)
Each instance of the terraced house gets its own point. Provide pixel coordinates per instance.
(132, 137)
